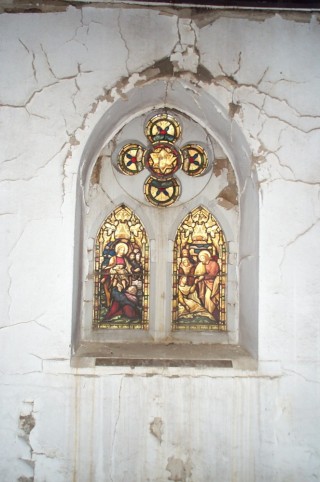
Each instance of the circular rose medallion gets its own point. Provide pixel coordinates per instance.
(163, 159)
(162, 127)
(161, 192)
(195, 160)
(130, 159)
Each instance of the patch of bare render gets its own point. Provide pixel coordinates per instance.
(32, 6)
(234, 109)
(300, 17)
(162, 69)
(185, 55)
(95, 177)
(26, 425)
(180, 471)
(156, 428)
(202, 15)
(228, 197)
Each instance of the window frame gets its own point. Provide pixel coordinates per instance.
(247, 262)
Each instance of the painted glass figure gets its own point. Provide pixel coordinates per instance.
(121, 272)
(199, 273)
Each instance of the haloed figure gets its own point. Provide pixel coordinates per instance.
(116, 273)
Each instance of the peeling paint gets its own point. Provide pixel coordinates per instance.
(202, 15)
(156, 428)
(26, 425)
(228, 196)
(180, 471)
(234, 109)
(95, 177)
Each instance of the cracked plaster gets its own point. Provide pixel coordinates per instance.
(56, 82)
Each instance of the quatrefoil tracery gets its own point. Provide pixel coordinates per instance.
(162, 159)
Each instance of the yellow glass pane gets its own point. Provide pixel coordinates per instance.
(163, 127)
(199, 279)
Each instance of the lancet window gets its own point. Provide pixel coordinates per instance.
(121, 278)
(199, 273)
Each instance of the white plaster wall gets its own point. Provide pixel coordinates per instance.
(60, 73)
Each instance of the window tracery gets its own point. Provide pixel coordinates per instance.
(196, 296)
(163, 158)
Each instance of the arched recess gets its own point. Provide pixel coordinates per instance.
(206, 111)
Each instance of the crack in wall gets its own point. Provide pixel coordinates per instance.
(236, 88)
(12, 325)
(32, 60)
(124, 42)
(116, 426)
(293, 241)
(185, 54)
(289, 372)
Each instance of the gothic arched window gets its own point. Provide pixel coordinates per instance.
(159, 190)
(165, 170)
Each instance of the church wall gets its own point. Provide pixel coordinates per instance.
(60, 73)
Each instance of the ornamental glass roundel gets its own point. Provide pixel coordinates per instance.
(195, 160)
(161, 192)
(130, 159)
(163, 159)
(163, 127)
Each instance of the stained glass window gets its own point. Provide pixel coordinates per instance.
(162, 158)
(199, 273)
(121, 276)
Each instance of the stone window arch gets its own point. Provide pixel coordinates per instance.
(228, 191)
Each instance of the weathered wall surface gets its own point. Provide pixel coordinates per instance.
(60, 72)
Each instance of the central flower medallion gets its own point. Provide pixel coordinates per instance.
(163, 160)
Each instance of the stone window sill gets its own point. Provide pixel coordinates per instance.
(91, 354)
